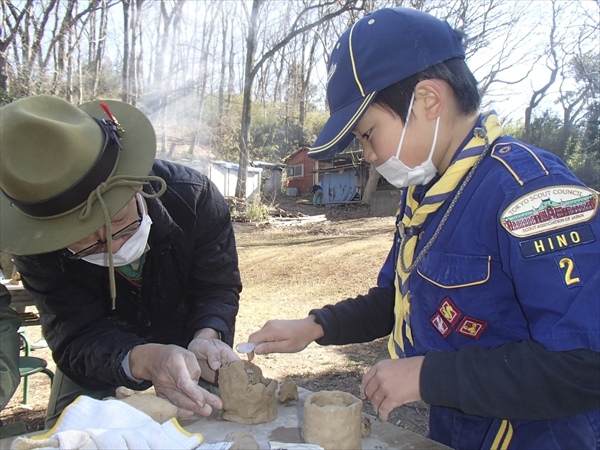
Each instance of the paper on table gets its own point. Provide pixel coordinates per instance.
(286, 446)
(216, 446)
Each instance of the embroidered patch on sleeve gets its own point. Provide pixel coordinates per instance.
(568, 270)
(557, 241)
(549, 209)
(471, 327)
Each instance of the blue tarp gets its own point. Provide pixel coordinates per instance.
(338, 187)
(232, 166)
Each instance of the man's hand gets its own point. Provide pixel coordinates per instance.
(211, 353)
(174, 372)
(286, 336)
(392, 383)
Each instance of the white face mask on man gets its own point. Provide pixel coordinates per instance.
(399, 174)
(132, 249)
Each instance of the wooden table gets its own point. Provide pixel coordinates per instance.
(19, 300)
(19, 297)
(287, 428)
(288, 424)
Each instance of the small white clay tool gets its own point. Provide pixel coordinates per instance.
(246, 347)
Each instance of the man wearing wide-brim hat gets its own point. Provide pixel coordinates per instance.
(131, 260)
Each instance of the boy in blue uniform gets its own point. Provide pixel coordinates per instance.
(490, 293)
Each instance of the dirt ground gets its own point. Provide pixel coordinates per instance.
(286, 271)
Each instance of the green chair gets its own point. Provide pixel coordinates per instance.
(28, 365)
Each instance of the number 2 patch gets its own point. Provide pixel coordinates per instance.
(568, 270)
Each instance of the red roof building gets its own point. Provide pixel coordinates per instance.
(301, 172)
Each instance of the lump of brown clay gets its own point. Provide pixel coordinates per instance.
(122, 392)
(247, 396)
(242, 441)
(288, 391)
(158, 408)
(332, 419)
(365, 427)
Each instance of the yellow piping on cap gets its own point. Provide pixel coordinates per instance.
(366, 102)
(354, 65)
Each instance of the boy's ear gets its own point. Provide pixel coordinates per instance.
(433, 97)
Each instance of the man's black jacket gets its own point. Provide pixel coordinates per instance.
(190, 280)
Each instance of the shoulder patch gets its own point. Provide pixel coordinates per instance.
(549, 208)
(520, 161)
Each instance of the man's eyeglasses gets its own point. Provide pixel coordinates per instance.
(122, 233)
(95, 248)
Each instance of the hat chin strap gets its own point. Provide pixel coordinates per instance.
(135, 183)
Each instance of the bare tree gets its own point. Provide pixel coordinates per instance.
(224, 30)
(493, 29)
(44, 36)
(553, 65)
(305, 83)
(100, 45)
(187, 62)
(12, 19)
(202, 79)
(126, 66)
(134, 58)
(251, 68)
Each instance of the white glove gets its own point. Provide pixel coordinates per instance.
(101, 424)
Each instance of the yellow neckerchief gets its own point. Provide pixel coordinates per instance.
(415, 214)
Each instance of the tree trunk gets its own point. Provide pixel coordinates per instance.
(80, 73)
(125, 68)
(371, 186)
(171, 150)
(3, 75)
(192, 146)
(231, 74)
(165, 107)
(100, 48)
(207, 33)
(304, 93)
(69, 58)
(554, 66)
(240, 190)
(134, 58)
(224, 23)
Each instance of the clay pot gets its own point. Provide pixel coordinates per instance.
(332, 420)
(247, 396)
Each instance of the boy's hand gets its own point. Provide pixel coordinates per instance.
(392, 383)
(286, 336)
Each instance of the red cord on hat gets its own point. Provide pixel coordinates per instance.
(104, 106)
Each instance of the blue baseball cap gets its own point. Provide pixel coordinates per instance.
(381, 49)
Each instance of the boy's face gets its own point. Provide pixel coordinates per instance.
(379, 133)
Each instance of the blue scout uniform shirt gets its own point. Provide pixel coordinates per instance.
(518, 259)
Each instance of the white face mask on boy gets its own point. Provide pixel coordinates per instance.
(132, 249)
(399, 174)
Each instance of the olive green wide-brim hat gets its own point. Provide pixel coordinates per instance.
(53, 155)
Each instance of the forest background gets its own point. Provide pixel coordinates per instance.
(245, 80)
